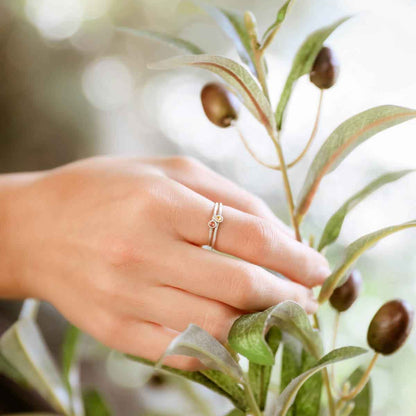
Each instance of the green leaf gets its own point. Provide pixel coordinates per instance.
(235, 393)
(195, 342)
(281, 16)
(232, 23)
(235, 412)
(95, 404)
(364, 399)
(32, 414)
(247, 335)
(291, 365)
(9, 371)
(353, 252)
(308, 400)
(69, 348)
(334, 225)
(287, 397)
(243, 84)
(24, 348)
(302, 64)
(259, 375)
(163, 37)
(343, 140)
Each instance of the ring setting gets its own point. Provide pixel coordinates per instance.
(214, 223)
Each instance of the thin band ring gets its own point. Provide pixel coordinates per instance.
(214, 224)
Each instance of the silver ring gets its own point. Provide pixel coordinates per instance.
(214, 223)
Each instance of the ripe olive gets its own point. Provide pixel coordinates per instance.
(390, 326)
(344, 296)
(325, 69)
(220, 106)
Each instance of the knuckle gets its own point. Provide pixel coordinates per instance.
(120, 252)
(217, 321)
(245, 285)
(260, 238)
(187, 163)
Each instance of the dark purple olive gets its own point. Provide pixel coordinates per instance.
(220, 106)
(344, 296)
(390, 327)
(325, 69)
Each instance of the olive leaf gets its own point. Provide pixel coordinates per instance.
(235, 412)
(179, 43)
(95, 404)
(274, 27)
(9, 371)
(291, 364)
(334, 225)
(353, 252)
(247, 335)
(228, 387)
(24, 348)
(259, 375)
(32, 414)
(287, 397)
(302, 64)
(195, 342)
(308, 399)
(238, 78)
(343, 140)
(363, 400)
(70, 369)
(232, 23)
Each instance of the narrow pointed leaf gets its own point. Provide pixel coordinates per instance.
(247, 335)
(232, 23)
(334, 225)
(286, 399)
(281, 16)
(214, 380)
(259, 375)
(23, 347)
(95, 404)
(344, 139)
(363, 400)
(353, 252)
(9, 371)
(195, 342)
(179, 43)
(238, 78)
(291, 365)
(235, 412)
(308, 399)
(302, 64)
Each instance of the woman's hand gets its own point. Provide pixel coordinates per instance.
(115, 245)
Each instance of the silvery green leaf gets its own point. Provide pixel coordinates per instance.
(23, 347)
(95, 404)
(353, 252)
(232, 23)
(211, 379)
(308, 399)
(343, 140)
(259, 375)
(334, 225)
(235, 412)
(281, 16)
(32, 414)
(179, 43)
(195, 342)
(287, 397)
(302, 64)
(242, 83)
(364, 399)
(247, 335)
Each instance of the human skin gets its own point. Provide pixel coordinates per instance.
(115, 245)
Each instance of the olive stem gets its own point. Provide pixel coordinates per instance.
(362, 383)
(334, 343)
(250, 398)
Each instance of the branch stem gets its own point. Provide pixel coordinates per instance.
(254, 408)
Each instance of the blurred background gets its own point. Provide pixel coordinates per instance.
(72, 87)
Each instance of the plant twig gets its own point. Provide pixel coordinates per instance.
(334, 343)
(361, 384)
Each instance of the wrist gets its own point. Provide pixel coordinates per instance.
(14, 213)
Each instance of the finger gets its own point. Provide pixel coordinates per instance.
(176, 309)
(215, 187)
(254, 239)
(233, 282)
(147, 340)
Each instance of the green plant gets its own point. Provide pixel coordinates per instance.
(285, 327)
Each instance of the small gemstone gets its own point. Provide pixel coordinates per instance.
(212, 224)
(219, 218)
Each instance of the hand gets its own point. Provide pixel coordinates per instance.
(115, 245)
